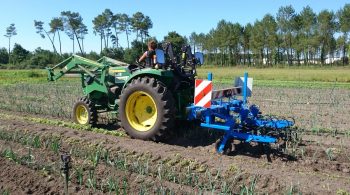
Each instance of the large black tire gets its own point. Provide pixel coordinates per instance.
(84, 102)
(163, 101)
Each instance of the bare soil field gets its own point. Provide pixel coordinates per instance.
(30, 154)
(36, 128)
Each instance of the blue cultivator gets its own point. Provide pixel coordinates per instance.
(236, 117)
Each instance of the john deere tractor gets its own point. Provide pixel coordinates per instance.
(146, 98)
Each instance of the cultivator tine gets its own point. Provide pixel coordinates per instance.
(288, 138)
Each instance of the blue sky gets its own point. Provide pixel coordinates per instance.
(183, 16)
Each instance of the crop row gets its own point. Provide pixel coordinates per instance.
(60, 123)
(312, 108)
(84, 170)
(142, 164)
(184, 172)
(117, 182)
(147, 165)
(292, 148)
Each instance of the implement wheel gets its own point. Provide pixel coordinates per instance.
(146, 109)
(84, 112)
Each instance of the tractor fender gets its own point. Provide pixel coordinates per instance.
(164, 76)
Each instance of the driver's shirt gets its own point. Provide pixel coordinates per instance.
(150, 58)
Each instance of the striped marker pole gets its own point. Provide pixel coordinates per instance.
(202, 93)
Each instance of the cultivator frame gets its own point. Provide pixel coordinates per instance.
(237, 119)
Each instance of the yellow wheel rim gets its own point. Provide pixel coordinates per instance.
(141, 111)
(81, 114)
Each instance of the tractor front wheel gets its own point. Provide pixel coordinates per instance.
(146, 109)
(84, 112)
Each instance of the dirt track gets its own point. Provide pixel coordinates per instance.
(310, 173)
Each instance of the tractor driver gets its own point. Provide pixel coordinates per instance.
(150, 55)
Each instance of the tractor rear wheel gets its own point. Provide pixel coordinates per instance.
(146, 109)
(84, 112)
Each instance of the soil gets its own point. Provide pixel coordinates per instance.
(320, 165)
(18, 179)
(30, 178)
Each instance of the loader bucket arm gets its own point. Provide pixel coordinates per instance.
(168, 49)
(112, 62)
(75, 62)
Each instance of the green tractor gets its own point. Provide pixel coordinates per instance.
(146, 100)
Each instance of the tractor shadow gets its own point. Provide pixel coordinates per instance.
(256, 150)
(108, 126)
(191, 135)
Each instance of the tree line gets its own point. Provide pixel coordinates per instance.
(289, 38)
(41, 58)
(107, 25)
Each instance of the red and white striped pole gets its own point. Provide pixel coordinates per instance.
(203, 93)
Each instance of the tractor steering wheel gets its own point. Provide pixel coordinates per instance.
(140, 64)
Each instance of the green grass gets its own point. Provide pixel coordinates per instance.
(286, 77)
(339, 74)
(271, 77)
(24, 76)
(289, 84)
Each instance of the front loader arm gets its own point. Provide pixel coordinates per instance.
(112, 62)
(75, 62)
